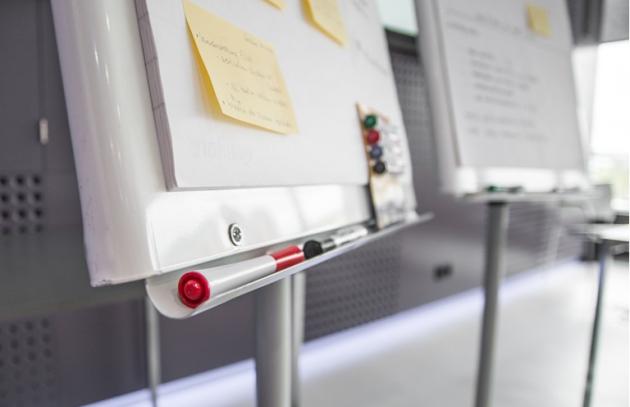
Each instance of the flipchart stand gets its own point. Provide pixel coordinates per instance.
(152, 342)
(608, 237)
(496, 236)
(497, 221)
(298, 298)
(274, 344)
(279, 336)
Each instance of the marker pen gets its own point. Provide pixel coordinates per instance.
(512, 190)
(196, 287)
(314, 248)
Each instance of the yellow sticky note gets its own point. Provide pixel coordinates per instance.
(277, 3)
(538, 20)
(243, 71)
(326, 16)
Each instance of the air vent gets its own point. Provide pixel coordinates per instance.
(27, 364)
(21, 204)
(356, 288)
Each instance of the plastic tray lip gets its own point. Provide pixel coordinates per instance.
(560, 196)
(611, 233)
(161, 289)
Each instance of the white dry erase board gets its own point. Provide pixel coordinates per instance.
(502, 94)
(147, 210)
(324, 81)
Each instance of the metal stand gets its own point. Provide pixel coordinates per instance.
(274, 345)
(588, 388)
(298, 296)
(496, 236)
(152, 321)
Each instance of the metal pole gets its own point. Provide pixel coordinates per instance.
(152, 321)
(496, 236)
(590, 373)
(298, 292)
(273, 345)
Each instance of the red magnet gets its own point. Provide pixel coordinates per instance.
(373, 137)
(193, 289)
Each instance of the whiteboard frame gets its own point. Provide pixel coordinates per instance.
(133, 227)
(461, 180)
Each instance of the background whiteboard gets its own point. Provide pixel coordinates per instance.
(503, 96)
(325, 81)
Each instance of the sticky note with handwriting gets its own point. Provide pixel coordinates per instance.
(243, 71)
(278, 3)
(326, 16)
(538, 20)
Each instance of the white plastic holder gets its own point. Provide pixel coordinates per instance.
(163, 290)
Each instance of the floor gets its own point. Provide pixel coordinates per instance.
(427, 356)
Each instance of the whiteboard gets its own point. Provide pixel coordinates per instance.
(325, 81)
(136, 225)
(502, 94)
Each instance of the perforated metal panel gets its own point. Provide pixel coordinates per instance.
(538, 235)
(28, 354)
(72, 358)
(354, 289)
(21, 206)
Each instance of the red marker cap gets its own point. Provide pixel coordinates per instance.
(287, 257)
(193, 289)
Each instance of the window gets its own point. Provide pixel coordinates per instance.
(610, 133)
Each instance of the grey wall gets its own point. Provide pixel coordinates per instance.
(57, 331)
(42, 262)
(614, 26)
(596, 21)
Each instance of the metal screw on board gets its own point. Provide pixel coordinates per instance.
(236, 234)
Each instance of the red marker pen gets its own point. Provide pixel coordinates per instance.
(196, 287)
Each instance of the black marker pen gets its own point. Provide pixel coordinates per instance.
(314, 248)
